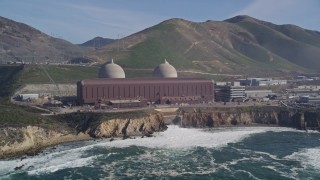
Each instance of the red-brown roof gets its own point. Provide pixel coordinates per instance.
(142, 80)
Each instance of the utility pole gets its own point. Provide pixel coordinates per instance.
(118, 42)
(2, 29)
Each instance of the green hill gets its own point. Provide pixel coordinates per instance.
(59, 74)
(240, 45)
(298, 46)
(97, 42)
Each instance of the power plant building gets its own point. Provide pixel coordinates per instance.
(164, 88)
(228, 92)
(156, 90)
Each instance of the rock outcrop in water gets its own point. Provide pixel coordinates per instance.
(81, 126)
(248, 116)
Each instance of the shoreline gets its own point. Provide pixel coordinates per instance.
(89, 126)
(85, 137)
(34, 151)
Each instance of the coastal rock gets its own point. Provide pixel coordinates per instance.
(217, 117)
(19, 140)
(129, 127)
(29, 140)
(227, 118)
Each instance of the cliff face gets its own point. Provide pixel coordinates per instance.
(129, 127)
(225, 118)
(19, 140)
(30, 139)
(234, 116)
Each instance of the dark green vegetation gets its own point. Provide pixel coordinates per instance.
(130, 73)
(97, 42)
(13, 115)
(20, 42)
(8, 80)
(241, 45)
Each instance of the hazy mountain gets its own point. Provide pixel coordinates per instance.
(240, 45)
(20, 42)
(97, 42)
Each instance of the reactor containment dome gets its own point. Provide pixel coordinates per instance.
(111, 70)
(165, 70)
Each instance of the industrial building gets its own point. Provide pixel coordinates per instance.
(304, 78)
(260, 82)
(165, 87)
(305, 88)
(26, 97)
(227, 92)
(258, 93)
(309, 99)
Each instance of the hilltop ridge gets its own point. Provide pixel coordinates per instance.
(20, 42)
(241, 45)
(97, 42)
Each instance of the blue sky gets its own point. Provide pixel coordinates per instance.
(80, 20)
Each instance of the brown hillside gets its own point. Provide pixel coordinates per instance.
(20, 42)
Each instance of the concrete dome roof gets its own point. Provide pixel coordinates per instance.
(165, 70)
(111, 70)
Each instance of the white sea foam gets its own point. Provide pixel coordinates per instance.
(175, 137)
(46, 163)
(308, 157)
(53, 167)
(249, 174)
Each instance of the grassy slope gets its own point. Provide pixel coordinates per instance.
(164, 43)
(60, 74)
(300, 34)
(8, 80)
(289, 49)
(240, 47)
(263, 57)
(12, 115)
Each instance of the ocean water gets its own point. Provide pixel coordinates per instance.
(180, 153)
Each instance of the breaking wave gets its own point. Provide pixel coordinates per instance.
(69, 156)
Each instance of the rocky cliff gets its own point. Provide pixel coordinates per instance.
(129, 127)
(80, 126)
(30, 139)
(247, 116)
